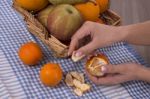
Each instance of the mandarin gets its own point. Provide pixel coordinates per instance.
(94, 64)
(103, 4)
(89, 10)
(32, 5)
(30, 53)
(51, 74)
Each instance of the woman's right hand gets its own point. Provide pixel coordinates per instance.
(101, 36)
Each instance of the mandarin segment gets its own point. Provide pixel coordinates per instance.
(78, 92)
(69, 80)
(76, 75)
(76, 80)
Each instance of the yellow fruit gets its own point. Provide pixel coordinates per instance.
(33, 5)
(30, 53)
(51, 74)
(90, 11)
(64, 21)
(43, 15)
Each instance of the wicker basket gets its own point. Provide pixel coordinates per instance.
(59, 49)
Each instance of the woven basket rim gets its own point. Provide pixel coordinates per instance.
(37, 29)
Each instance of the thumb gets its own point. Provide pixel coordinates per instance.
(90, 47)
(113, 69)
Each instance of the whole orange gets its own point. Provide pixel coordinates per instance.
(103, 4)
(33, 5)
(30, 53)
(51, 74)
(90, 11)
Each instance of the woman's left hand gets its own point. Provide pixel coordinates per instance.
(116, 74)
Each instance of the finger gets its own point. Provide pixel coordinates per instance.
(112, 80)
(113, 69)
(91, 54)
(81, 33)
(90, 47)
(92, 78)
(73, 45)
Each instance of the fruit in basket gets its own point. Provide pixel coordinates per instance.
(90, 10)
(43, 15)
(51, 74)
(93, 65)
(63, 21)
(30, 53)
(32, 5)
(56, 2)
(103, 4)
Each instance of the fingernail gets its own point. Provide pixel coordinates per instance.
(103, 69)
(78, 54)
(68, 54)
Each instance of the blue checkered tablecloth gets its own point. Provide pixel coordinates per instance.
(18, 81)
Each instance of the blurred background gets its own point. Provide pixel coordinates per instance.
(134, 11)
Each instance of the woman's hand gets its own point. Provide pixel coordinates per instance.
(104, 35)
(101, 35)
(116, 74)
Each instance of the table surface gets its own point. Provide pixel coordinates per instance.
(20, 81)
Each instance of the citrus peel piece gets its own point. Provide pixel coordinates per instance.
(76, 80)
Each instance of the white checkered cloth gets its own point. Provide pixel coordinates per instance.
(19, 81)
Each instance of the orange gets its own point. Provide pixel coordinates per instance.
(93, 65)
(89, 10)
(51, 74)
(30, 53)
(33, 5)
(103, 4)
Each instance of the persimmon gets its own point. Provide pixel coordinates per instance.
(51, 74)
(32, 5)
(103, 4)
(89, 10)
(30, 53)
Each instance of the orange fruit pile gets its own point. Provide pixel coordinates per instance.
(33, 5)
(92, 10)
(30, 53)
(51, 74)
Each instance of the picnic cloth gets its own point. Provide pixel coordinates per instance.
(18, 81)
